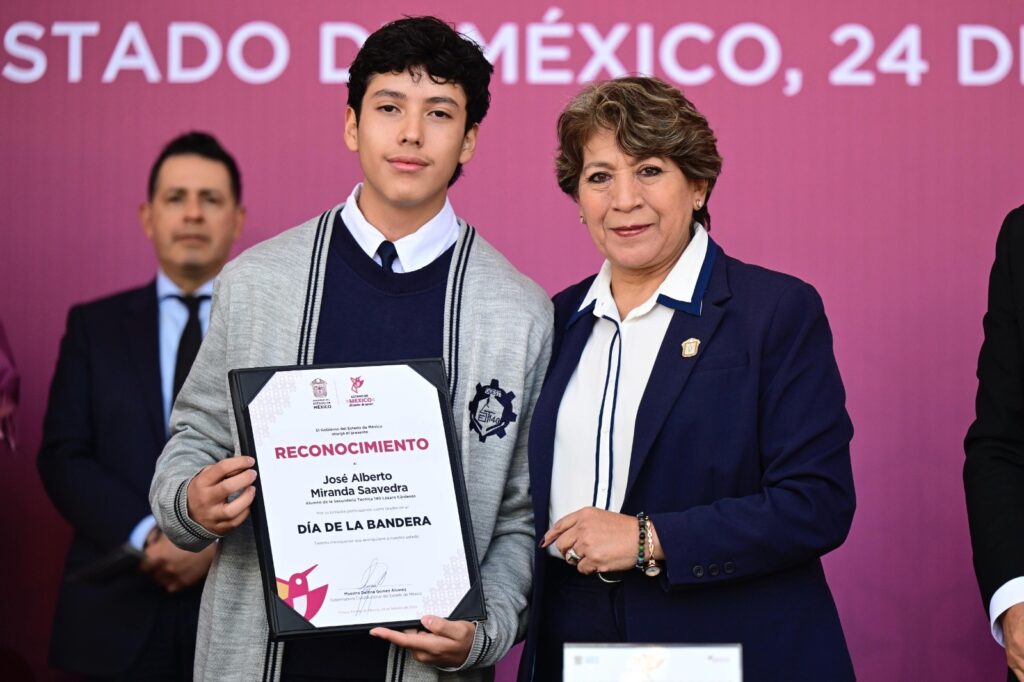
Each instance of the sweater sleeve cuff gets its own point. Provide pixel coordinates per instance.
(482, 644)
(1009, 594)
(199, 535)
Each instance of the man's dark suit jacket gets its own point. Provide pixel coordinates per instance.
(103, 432)
(741, 459)
(994, 468)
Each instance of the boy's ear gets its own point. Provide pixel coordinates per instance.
(351, 130)
(469, 144)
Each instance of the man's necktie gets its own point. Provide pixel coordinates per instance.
(388, 255)
(188, 346)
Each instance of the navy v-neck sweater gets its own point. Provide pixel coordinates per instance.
(369, 314)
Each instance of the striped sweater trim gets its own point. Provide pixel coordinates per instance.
(455, 306)
(181, 513)
(398, 664)
(312, 285)
(268, 659)
(486, 649)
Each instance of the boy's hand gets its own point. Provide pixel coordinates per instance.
(209, 491)
(446, 643)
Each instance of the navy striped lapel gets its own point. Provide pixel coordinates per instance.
(671, 369)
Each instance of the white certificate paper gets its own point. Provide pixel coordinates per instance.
(652, 663)
(358, 496)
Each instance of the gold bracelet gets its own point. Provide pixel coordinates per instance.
(652, 570)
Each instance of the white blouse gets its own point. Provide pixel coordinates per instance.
(594, 433)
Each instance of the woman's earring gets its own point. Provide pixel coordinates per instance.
(582, 221)
(700, 203)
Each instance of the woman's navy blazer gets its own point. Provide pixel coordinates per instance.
(741, 459)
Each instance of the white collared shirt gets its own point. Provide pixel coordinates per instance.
(594, 433)
(173, 318)
(417, 250)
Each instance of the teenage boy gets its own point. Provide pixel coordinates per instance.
(390, 274)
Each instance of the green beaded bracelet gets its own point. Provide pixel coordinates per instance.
(641, 519)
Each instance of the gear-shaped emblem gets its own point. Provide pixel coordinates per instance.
(490, 412)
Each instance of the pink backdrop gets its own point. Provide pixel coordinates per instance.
(886, 195)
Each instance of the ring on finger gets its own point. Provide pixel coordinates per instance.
(571, 556)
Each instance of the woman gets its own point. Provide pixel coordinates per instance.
(689, 453)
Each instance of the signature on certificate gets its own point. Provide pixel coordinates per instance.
(373, 578)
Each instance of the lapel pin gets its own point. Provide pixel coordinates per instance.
(690, 347)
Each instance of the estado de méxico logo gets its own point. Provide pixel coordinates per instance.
(490, 412)
(319, 388)
(321, 401)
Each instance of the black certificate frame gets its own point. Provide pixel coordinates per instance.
(284, 622)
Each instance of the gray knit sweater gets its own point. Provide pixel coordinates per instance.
(266, 306)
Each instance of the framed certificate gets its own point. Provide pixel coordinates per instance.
(360, 514)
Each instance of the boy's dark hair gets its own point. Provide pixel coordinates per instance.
(431, 45)
(201, 144)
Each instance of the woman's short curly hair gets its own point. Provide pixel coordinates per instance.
(649, 118)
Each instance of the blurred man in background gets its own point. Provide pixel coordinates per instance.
(129, 602)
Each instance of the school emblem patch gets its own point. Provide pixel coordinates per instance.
(491, 410)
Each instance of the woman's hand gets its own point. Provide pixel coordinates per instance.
(604, 540)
